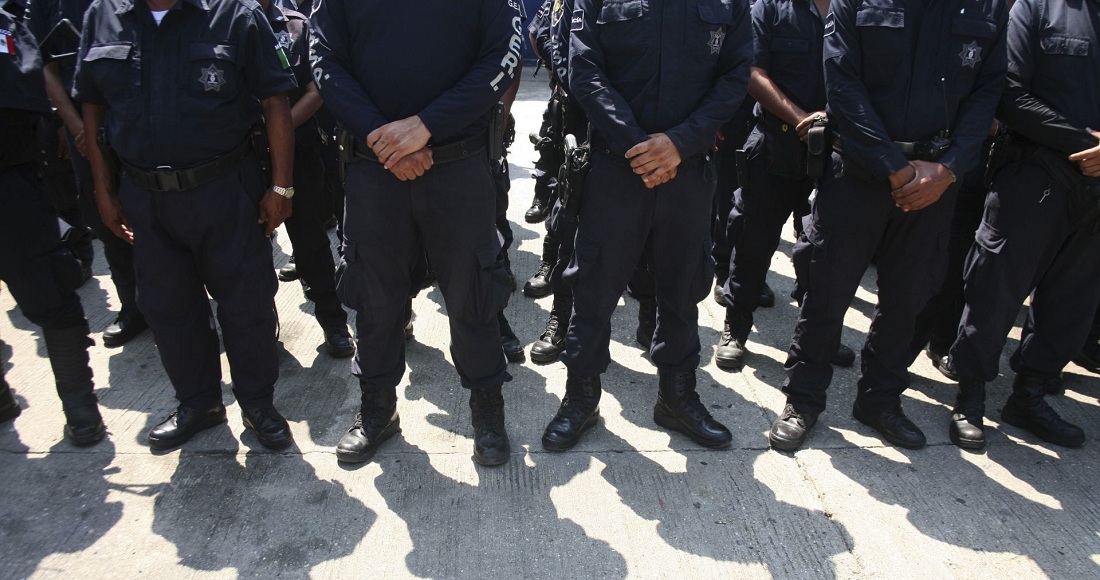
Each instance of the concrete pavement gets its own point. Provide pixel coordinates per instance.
(630, 501)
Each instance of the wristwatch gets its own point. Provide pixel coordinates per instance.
(287, 192)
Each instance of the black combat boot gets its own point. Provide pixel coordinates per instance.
(539, 284)
(1027, 409)
(790, 428)
(679, 408)
(376, 422)
(647, 321)
(579, 411)
(1089, 357)
(513, 348)
(547, 348)
(490, 437)
(68, 352)
(9, 408)
(540, 204)
(967, 427)
(731, 352)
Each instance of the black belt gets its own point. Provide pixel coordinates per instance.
(166, 178)
(600, 145)
(440, 153)
(916, 150)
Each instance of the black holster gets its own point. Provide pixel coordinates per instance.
(818, 149)
(571, 175)
(496, 133)
(258, 135)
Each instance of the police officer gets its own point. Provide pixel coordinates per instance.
(51, 20)
(911, 87)
(415, 86)
(657, 80)
(1040, 234)
(306, 226)
(549, 159)
(41, 275)
(178, 87)
(789, 86)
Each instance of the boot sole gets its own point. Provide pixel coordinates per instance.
(485, 461)
(566, 446)
(166, 444)
(366, 455)
(785, 444)
(540, 293)
(546, 358)
(965, 443)
(728, 364)
(672, 423)
(1022, 423)
(87, 440)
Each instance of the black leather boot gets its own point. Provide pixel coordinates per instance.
(540, 204)
(731, 352)
(1027, 409)
(183, 424)
(679, 408)
(129, 324)
(547, 348)
(268, 425)
(647, 321)
(513, 348)
(789, 429)
(967, 427)
(376, 422)
(579, 411)
(539, 284)
(9, 408)
(490, 437)
(68, 352)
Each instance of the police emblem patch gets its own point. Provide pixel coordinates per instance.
(212, 78)
(716, 38)
(283, 38)
(971, 54)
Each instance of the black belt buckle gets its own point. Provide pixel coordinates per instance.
(167, 179)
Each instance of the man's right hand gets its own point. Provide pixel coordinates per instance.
(1089, 159)
(804, 125)
(413, 165)
(110, 211)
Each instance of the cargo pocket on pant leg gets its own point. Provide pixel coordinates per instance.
(351, 283)
(494, 287)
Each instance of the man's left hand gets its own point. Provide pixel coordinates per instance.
(1089, 159)
(932, 179)
(393, 141)
(655, 159)
(274, 209)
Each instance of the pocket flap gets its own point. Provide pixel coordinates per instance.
(879, 16)
(621, 11)
(715, 12)
(1068, 45)
(117, 51)
(979, 27)
(798, 45)
(207, 51)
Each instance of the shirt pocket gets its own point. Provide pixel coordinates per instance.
(1064, 63)
(117, 73)
(882, 35)
(212, 73)
(709, 32)
(626, 30)
(790, 59)
(971, 41)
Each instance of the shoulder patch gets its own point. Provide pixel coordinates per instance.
(577, 23)
(830, 24)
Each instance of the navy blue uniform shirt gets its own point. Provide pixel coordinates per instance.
(679, 67)
(787, 44)
(1053, 90)
(23, 86)
(379, 61)
(291, 30)
(184, 92)
(560, 17)
(539, 28)
(45, 15)
(905, 70)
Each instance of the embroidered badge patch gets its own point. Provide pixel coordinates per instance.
(577, 22)
(284, 39)
(716, 38)
(971, 54)
(212, 78)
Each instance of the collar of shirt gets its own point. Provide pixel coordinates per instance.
(125, 6)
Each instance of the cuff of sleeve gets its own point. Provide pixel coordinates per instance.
(678, 139)
(892, 162)
(435, 126)
(276, 89)
(950, 160)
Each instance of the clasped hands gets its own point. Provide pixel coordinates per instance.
(402, 147)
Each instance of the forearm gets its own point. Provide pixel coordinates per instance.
(306, 107)
(102, 176)
(771, 97)
(280, 136)
(59, 97)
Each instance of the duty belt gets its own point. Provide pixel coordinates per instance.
(440, 154)
(915, 150)
(600, 144)
(167, 178)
